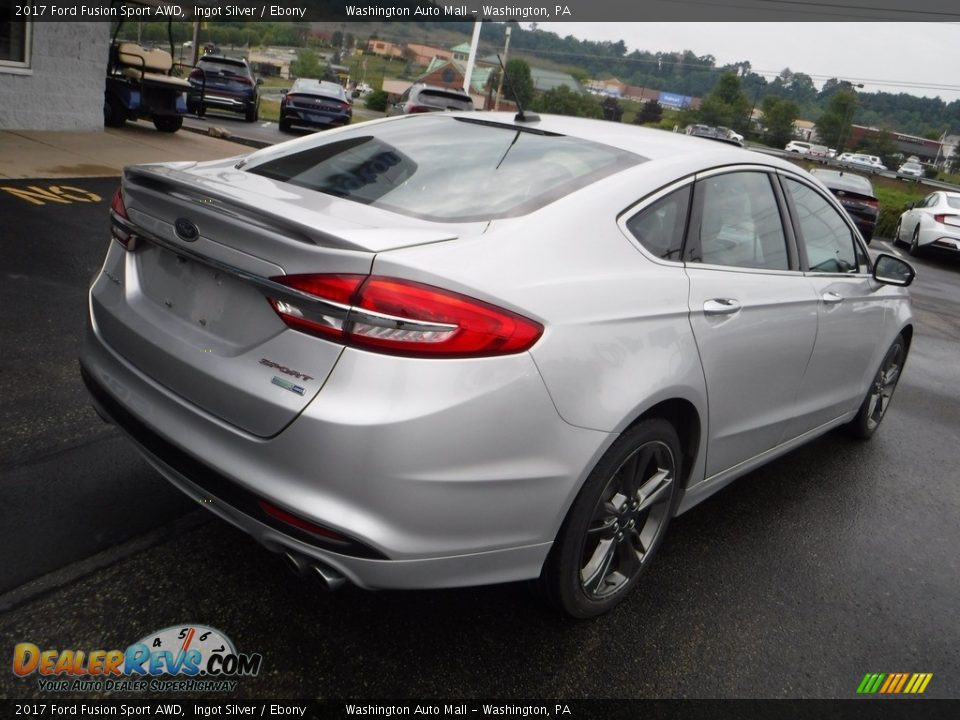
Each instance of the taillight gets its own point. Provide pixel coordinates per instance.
(872, 203)
(298, 522)
(243, 80)
(401, 317)
(118, 228)
(944, 219)
(197, 75)
(417, 109)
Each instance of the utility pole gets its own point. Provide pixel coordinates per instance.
(503, 71)
(471, 61)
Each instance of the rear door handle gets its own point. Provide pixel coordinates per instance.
(720, 306)
(831, 298)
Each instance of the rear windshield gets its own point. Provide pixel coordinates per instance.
(452, 101)
(224, 66)
(449, 169)
(834, 179)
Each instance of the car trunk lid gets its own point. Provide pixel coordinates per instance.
(188, 305)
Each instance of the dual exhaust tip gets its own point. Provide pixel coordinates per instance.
(302, 566)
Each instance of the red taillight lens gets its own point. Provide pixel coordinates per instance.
(401, 317)
(945, 219)
(417, 109)
(197, 75)
(325, 322)
(118, 212)
(872, 203)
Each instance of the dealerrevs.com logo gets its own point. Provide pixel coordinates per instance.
(196, 657)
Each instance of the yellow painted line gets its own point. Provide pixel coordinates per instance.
(926, 682)
(913, 681)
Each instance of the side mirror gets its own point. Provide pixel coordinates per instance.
(910, 205)
(284, 91)
(891, 270)
(259, 81)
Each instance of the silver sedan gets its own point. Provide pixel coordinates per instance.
(454, 349)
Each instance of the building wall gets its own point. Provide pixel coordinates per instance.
(64, 87)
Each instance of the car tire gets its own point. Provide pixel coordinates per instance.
(880, 393)
(914, 248)
(113, 113)
(284, 125)
(896, 233)
(616, 522)
(168, 123)
(252, 115)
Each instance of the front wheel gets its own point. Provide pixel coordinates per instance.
(168, 123)
(616, 523)
(875, 404)
(896, 234)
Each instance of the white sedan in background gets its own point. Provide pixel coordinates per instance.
(932, 222)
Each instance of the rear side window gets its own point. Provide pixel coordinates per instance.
(953, 202)
(660, 227)
(447, 169)
(826, 236)
(740, 223)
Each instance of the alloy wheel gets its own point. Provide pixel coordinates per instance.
(883, 386)
(627, 520)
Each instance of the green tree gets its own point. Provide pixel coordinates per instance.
(726, 105)
(833, 127)
(779, 115)
(651, 112)
(564, 101)
(518, 83)
(307, 65)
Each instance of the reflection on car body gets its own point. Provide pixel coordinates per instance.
(504, 333)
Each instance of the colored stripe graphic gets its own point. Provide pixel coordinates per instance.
(894, 683)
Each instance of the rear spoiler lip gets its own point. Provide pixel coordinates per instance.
(362, 239)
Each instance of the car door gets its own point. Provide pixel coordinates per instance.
(851, 307)
(753, 313)
(915, 216)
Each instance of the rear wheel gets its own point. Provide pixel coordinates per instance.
(896, 234)
(168, 123)
(252, 114)
(114, 114)
(915, 241)
(875, 404)
(284, 125)
(616, 523)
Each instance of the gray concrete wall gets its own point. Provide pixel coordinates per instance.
(64, 90)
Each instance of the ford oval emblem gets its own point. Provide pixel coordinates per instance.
(186, 230)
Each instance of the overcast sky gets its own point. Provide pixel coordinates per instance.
(924, 57)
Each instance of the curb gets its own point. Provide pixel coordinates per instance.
(223, 134)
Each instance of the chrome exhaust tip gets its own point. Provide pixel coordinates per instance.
(328, 578)
(295, 564)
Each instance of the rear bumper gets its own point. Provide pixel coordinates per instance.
(315, 119)
(442, 474)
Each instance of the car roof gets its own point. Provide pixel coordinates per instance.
(224, 59)
(842, 181)
(314, 85)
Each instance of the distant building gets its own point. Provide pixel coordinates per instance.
(929, 151)
(461, 52)
(52, 74)
(451, 74)
(425, 54)
(384, 48)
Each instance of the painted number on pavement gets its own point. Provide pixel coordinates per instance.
(64, 194)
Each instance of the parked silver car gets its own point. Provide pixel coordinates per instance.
(934, 222)
(449, 349)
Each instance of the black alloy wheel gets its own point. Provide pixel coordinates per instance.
(880, 393)
(616, 522)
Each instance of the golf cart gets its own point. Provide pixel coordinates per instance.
(141, 83)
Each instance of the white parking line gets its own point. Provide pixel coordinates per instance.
(891, 247)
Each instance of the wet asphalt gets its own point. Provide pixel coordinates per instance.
(836, 560)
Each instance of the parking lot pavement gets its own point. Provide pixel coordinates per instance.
(57, 502)
(835, 560)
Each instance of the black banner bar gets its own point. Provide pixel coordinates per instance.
(490, 10)
(857, 709)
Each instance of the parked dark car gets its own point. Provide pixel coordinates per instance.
(721, 134)
(856, 195)
(420, 98)
(222, 83)
(316, 104)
